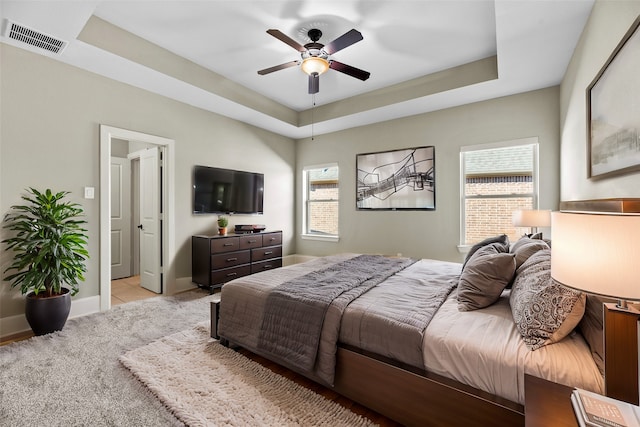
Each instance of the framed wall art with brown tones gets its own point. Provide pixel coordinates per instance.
(613, 111)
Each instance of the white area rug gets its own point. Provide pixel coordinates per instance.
(206, 384)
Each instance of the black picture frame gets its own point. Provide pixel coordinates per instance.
(402, 179)
(613, 111)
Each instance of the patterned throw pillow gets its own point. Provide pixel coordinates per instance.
(544, 311)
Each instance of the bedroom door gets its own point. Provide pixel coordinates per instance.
(150, 220)
(120, 218)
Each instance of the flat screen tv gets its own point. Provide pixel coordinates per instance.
(226, 191)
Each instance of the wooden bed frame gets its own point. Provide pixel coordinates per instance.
(416, 398)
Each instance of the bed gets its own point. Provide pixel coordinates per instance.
(424, 342)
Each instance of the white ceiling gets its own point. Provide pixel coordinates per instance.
(403, 40)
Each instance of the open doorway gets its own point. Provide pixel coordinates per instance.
(140, 203)
(136, 216)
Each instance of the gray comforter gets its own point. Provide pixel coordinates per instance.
(295, 311)
(389, 318)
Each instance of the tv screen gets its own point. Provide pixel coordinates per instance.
(226, 191)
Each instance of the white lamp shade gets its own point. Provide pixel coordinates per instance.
(532, 218)
(597, 253)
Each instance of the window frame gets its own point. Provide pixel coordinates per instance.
(305, 234)
(463, 247)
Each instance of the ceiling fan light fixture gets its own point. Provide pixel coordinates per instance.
(314, 64)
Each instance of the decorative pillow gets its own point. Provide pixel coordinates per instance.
(485, 276)
(503, 240)
(525, 247)
(544, 311)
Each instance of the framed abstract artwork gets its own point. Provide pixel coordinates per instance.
(613, 111)
(396, 180)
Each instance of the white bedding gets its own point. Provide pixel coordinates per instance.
(483, 349)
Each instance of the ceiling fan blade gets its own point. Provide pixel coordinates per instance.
(349, 70)
(345, 40)
(314, 83)
(278, 67)
(286, 39)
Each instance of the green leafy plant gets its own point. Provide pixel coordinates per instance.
(49, 243)
(223, 221)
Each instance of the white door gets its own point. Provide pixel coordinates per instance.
(150, 266)
(120, 218)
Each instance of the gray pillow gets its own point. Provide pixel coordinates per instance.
(503, 240)
(544, 311)
(524, 247)
(484, 277)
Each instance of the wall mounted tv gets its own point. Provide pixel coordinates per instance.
(226, 191)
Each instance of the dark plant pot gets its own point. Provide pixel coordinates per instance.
(47, 314)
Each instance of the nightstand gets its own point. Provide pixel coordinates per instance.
(547, 404)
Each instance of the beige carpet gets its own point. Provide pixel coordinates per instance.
(206, 384)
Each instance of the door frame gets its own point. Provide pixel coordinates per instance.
(168, 199)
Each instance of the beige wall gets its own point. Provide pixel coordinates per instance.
(608, 23)
(429, 234)
(50, 120)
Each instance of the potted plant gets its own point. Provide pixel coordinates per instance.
(222, 225)
(49, 247)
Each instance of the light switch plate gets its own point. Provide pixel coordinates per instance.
(89, 192)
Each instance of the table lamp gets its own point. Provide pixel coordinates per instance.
(532, 218)
(600, 254)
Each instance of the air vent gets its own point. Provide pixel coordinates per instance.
(33, 37)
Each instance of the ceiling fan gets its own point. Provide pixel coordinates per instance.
(315, 56)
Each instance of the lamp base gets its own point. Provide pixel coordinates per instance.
(620, 329)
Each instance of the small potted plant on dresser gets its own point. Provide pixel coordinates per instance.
(222, 225)
(49, 247)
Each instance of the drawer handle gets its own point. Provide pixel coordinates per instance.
(231, 274)
(268, 266)
(272, 239)
(268, 252)
(252, 241)
(231, 259)
(227, 244)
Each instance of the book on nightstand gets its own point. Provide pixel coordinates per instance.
(595, 410)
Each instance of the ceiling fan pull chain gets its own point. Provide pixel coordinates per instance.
(313, 107)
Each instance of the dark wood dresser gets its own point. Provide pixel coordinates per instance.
(216, 260)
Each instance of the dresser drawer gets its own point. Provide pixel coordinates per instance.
(227, 274)
(266, 253)
(251, 241)
(227, 244)
(257, 267)
(269, 239)
(230, 259)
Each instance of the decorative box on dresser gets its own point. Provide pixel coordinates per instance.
(216, 260)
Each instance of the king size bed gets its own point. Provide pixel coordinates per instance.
(423, 342)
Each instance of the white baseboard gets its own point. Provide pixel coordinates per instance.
(79, 307)
(182, 284)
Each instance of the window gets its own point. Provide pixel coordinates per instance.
(497, 179)
(321, 200)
